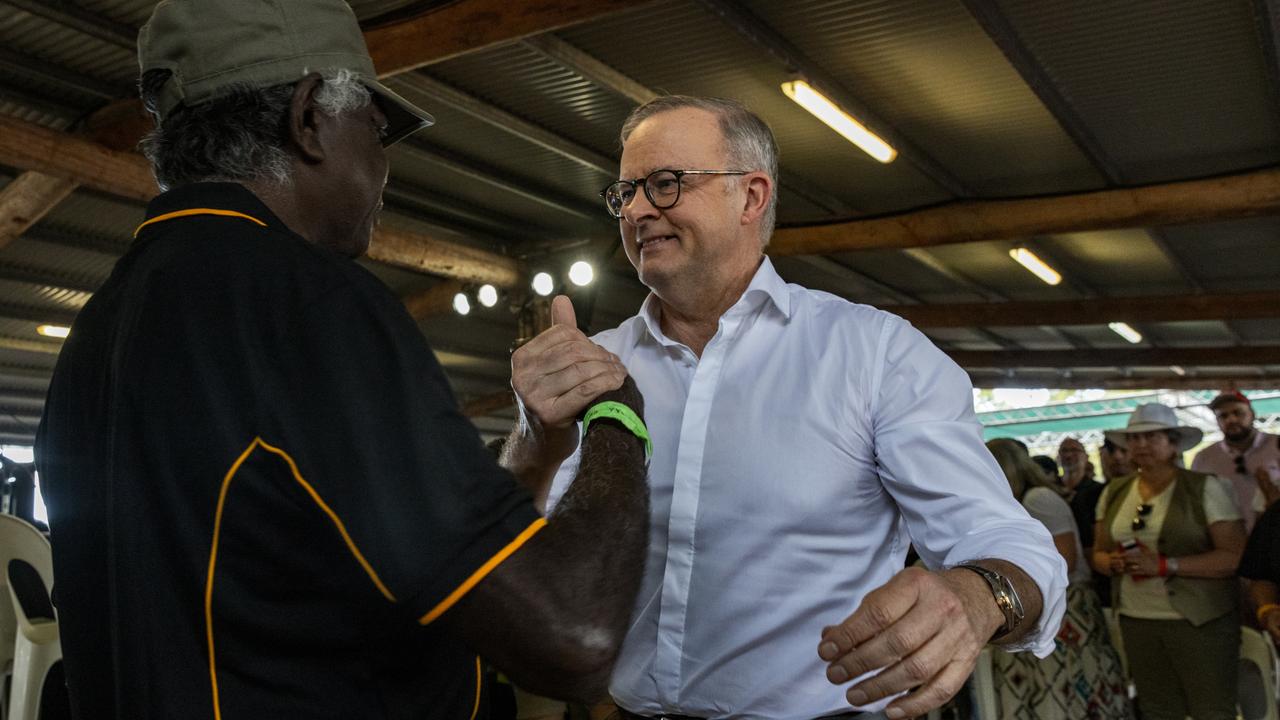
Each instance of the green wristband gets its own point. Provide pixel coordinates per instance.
(626, 416)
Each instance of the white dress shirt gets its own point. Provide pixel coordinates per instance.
(792, 465)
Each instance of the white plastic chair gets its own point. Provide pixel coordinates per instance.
(1256, 647)
(983, 688)
(36, 647)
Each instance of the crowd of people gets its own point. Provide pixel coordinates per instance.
(1168, 550)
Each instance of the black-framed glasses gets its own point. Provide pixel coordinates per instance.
(1140, 517)
(1240, 468)
(662, 187)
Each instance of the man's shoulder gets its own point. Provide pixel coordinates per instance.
(832, 312)
(1209, 453)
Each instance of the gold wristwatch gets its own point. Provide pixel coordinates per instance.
(1006, 598)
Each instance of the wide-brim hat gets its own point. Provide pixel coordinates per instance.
(1154, 416)
(211, 46)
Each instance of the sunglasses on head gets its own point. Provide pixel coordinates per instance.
(1140, 517)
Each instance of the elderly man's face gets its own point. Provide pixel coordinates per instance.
(358, 171)
(1235, 419)
(1072, 456)
(701, 235)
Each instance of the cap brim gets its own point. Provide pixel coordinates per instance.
(403, 117)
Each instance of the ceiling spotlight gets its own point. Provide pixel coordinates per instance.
(1126, 332)
(837, 119)
(543, 284)
(54, 331)
(487, 295)
(461, 304)
(1038, 267)
(581, 273)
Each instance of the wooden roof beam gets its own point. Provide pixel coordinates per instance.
(1095, 311)
(34, 147)
(27, 199)
(461, 27)
(1125, 357)
(1233, 196)
(1270, 381)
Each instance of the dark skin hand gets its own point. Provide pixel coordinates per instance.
(553, 615)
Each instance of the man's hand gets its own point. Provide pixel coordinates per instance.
(925, 629)
(1271, 623)
(555, 376)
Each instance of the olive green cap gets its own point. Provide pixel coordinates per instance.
(210, 45)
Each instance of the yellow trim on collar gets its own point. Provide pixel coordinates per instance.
(197, 211)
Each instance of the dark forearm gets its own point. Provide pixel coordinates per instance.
(1263, 592)
(553, 615)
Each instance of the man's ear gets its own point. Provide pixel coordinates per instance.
(759, 193)
(305, 118)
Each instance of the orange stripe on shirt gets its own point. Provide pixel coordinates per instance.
(484, 570)
(197, 211)
(217, 533)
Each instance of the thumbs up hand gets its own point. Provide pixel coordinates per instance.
(556, 376)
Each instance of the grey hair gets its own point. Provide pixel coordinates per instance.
(748, 140)
(239, 136)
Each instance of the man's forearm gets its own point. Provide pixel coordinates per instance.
(1263, 592)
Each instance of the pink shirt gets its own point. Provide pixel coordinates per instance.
(1220, 459)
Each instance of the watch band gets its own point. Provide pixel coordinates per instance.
(1006, 598)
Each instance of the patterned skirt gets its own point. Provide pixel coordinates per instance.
(1081, 679)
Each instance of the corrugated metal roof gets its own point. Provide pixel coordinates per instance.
(929, 70)
(681, 48)
(1170, 89)
(525, 82)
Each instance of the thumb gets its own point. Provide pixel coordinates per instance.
(562, 311)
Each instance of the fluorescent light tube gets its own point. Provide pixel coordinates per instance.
(1038, 267)
(842, 122)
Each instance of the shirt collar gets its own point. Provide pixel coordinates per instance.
(765, 286)
(213, 195)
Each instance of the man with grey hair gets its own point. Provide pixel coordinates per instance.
(264, 500)
(801, 443)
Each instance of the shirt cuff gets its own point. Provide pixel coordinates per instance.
(1032, 550)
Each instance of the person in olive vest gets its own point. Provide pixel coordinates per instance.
(1174, 538)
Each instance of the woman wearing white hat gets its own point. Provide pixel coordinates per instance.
(1175, 538)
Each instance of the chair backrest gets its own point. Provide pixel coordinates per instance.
(985, 703)
(26, 569)
(19, 540)
(1257, 648)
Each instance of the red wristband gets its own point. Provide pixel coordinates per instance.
(1164, 566)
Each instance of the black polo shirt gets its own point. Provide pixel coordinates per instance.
(1261, 558)
(260, 488)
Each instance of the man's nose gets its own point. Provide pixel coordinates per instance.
(639, 209)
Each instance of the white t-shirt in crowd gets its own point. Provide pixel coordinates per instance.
(1054, 513)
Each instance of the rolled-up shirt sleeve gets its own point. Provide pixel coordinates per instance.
(953, 496)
